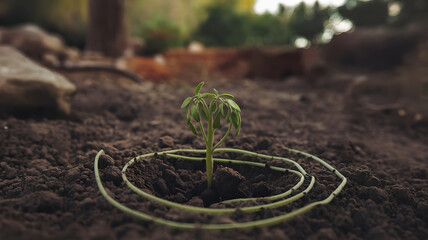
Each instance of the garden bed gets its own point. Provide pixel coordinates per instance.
(48, 188)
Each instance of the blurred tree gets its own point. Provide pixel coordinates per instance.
(365, 13)
(224, 26)
(159, 34)
(375, 13)
(410, 11)
(309, 22)
(270, 29)
(108, 32)
(186, 14)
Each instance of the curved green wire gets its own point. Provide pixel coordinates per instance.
(222, 210)
(257, 223)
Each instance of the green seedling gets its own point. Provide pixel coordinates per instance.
(211, 108)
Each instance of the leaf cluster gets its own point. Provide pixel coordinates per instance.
(220, 106)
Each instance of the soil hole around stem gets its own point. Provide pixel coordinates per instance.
(185, 181)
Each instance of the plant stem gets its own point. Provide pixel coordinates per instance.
(209, 154)
(224, 137)
(209, 139)
(203, 132)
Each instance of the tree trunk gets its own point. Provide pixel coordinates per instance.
(108, 32)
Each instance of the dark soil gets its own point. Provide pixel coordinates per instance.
(48, 189)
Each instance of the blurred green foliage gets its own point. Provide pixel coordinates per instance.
(225, 26)
(411, 11)
(309, 22)
(163, 24)
(66, 17)
(185, 14)
(159, 34)
(377, 13)
(365, 14)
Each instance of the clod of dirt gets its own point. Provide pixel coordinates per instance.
(274, 234)
(87, 203)
(124, 112)
(161, 187)
(365, 178)
(180, 198)
(324, 233)
(402, 194)
(376, 194)
(378, 233)
(226, 183)
(172, 178)
(420, 173)
(262, 145)
(42, 201)
(72, 175)
(422, 211)
(195, 201)
(261, 189)
(166, 141)
(113, 174)
(105, 161)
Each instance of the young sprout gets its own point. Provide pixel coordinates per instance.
(221, 106)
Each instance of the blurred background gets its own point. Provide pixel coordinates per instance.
(160, 40)
(163, 24)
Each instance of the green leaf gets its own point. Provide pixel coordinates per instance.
(213, 105)
(192, 128)
(222, 109)
(204, 114)
(216, 123)
(198, 88)
(228, 117)
(186, 102)
(225, 95)
(195, 113)
(215, 91)
(239, 117)
(187, 114)
(233, 104)
(235, 119)
(238, 130)
(207, 95)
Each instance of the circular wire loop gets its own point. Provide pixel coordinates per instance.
(278, 199)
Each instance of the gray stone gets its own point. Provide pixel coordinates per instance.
(32, 40)
(26, 87)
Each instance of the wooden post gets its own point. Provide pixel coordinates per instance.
(108, 32)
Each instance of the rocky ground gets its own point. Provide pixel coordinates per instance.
(48, 189)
